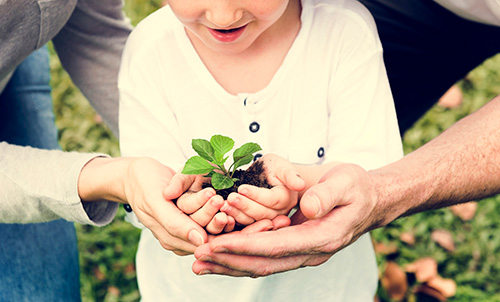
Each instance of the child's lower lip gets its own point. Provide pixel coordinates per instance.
(227, 35)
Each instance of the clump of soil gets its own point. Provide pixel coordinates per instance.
(254, 175)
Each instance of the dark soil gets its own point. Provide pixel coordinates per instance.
(254, 175)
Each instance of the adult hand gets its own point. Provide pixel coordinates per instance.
(141, 182)
(334, 213)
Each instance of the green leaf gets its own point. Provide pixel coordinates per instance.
(211, 173)
(221, 145)
(204, 149)
(242, 161)
(197, 165)
(246, 149)
(241, 155)
(220, 181)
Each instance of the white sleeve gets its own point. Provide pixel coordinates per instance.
(90, 46)
(42, 185)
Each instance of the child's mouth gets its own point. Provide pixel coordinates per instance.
(227, 35)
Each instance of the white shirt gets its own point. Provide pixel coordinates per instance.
(330, 100)
(483, 11)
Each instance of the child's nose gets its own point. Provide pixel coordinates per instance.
(224, 15)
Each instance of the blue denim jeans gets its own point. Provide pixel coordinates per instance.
(38, 262)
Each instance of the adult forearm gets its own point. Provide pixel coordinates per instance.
(462, 164)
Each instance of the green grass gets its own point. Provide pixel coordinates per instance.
(475, 264)
(107, 253)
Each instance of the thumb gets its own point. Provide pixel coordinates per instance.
(318, 201)
(178, 184)
(293, 181)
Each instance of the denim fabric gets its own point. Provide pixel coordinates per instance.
(38, 262)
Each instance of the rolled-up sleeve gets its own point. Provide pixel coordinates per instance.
(90, 46)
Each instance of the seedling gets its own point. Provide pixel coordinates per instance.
(211, 160)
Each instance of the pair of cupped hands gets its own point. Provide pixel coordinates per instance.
(331, 213)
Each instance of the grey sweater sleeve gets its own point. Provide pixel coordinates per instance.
(41, 185)
(90, 47)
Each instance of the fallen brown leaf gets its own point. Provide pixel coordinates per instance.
(114, 291)
(451, 98)
(447, 287)
(425, 293)
(408, 238)
(394, 281)
(424, 269)
(465, 211)
(444, 239)
(385, 249)
(99, 275)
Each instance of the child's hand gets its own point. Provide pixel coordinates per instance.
(202, 205)
(253, 203)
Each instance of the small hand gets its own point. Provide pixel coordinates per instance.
(253, 203)
(202, 205)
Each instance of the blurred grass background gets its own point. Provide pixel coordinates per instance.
(107, 253)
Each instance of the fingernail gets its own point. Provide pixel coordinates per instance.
(195, 237)
(220, 249)
(243, 191)
(209, 193)
(204, 272)
(205, 258)
(234, 201)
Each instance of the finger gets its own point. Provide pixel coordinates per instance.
(258, 226)
(249, 208)
(283, 172)
(318, 200)
(231, 224)
(289, 177)
(238, 215)
(300, 239)
(167, 241)
(278, 198)
(204, 215)
(281, 221)
(181, 253)
(218, 223)
(252, 266)
(175, 223)
(178, 184)
(205, 268)
(293, 181)
(190, 202)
